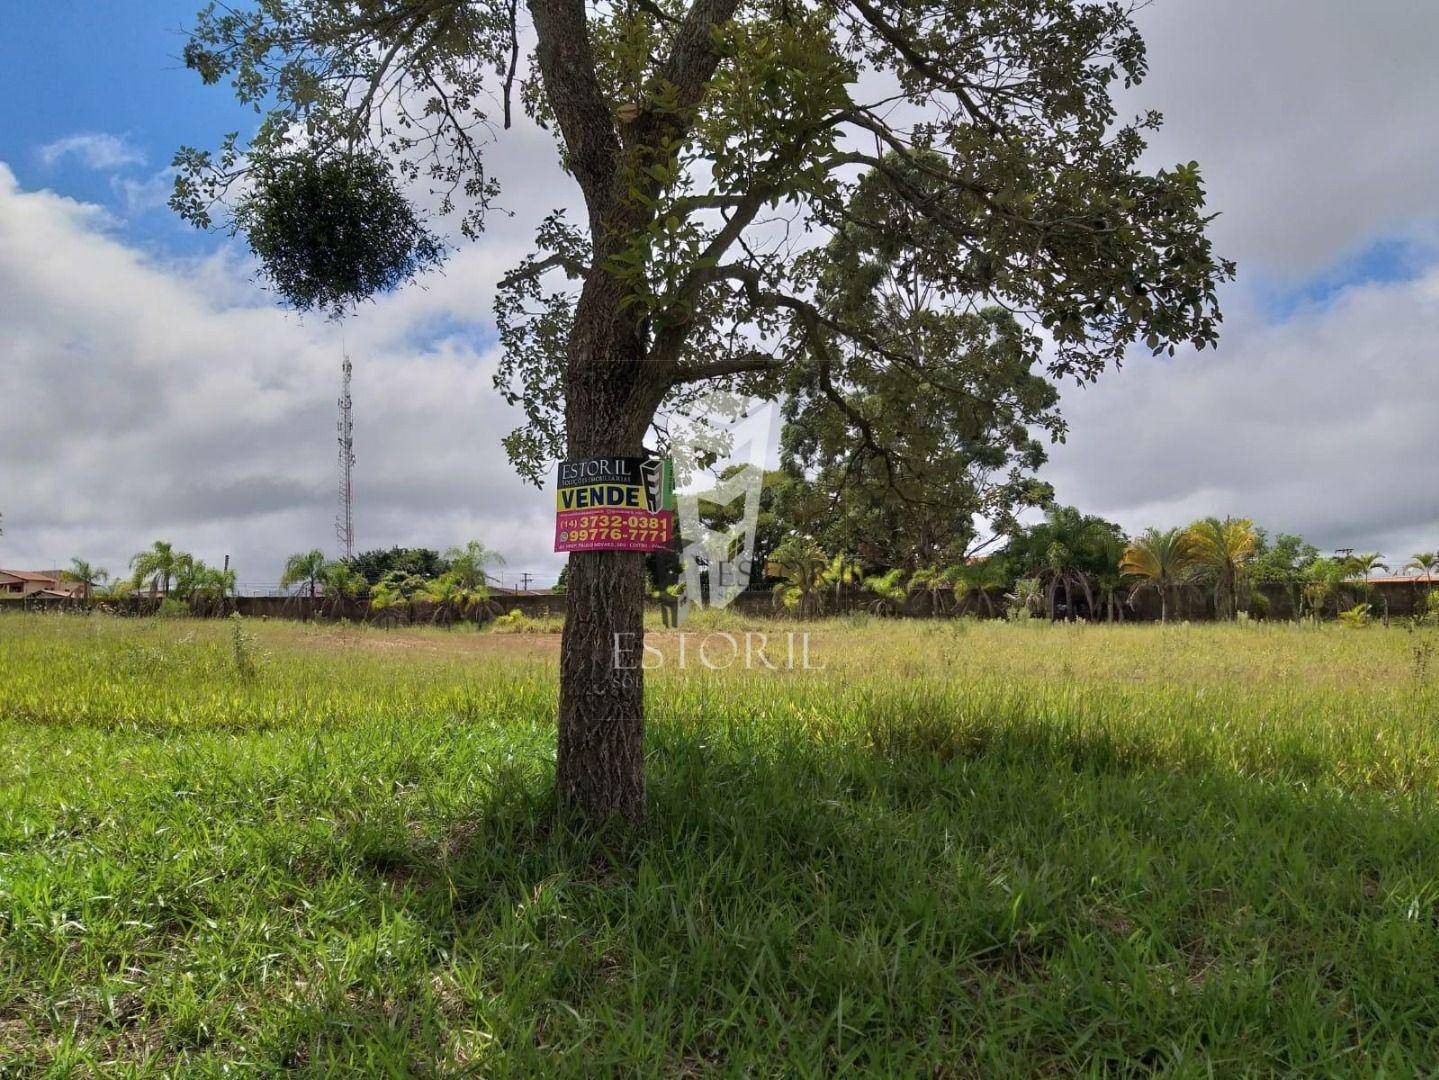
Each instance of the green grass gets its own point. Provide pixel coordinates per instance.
(970, 850)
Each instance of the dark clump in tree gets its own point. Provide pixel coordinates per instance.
(719, 147)
(329, 231)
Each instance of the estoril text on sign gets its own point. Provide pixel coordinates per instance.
(614, 504)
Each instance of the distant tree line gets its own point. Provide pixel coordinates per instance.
(1073, 565)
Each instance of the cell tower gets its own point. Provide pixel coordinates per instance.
(345, 519)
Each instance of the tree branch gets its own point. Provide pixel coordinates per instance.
(735, 365)
(567, 66)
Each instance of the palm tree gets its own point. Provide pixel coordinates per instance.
(307, 567)
(341, 582)
(931, 580)
(210, 585)
(1362, 567)
(190, 575)
(843, 571)
(393, 590)
(1223, 547)
(1065, 553)
(452, 597)
(89, 576)
(1107, 582)
(469, 564)
(975, 581)
(1026, 598)
(888, 590)
(117, 589)
(800, 564)
(1322, 579)
(1158, 559)
(160, 561)
(1426, 562)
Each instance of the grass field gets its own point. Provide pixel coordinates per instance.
(956, 850)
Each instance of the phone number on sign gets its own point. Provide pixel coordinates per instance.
(584, 522)
(627, 532)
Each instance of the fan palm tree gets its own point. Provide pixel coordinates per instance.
(800, 565)
(307, 568)
(86, 575)
(159, 562)
(1224, 548)
(1158, 559)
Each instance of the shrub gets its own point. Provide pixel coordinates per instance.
(172, 608)
(1356, 617)
(517, 622)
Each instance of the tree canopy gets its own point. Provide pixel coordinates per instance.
(739, 161)
(968, 149)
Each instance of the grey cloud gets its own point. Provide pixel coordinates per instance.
(1313, 120)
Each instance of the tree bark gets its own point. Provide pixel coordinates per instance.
(600, 764)
(611, 394)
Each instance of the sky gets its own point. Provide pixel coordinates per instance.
(153, 390)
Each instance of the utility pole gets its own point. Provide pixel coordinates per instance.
(345, 520)
(526, 576)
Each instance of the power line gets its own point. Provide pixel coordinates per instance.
(345, 520)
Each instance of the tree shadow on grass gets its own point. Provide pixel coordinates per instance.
(923, 900)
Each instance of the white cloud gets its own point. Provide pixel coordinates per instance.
(95, 150)
(149, 193)
(150, 400)
(1323, 424)
(169, 399)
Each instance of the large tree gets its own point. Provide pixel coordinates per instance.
(900, 459)
(718, 146)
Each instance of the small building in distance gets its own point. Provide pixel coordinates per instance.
(39, 584)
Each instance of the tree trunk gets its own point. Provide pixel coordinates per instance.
(611, 394)
(600, 768)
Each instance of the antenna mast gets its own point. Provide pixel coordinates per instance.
(345, 520)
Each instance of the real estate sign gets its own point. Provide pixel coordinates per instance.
(615, 504)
